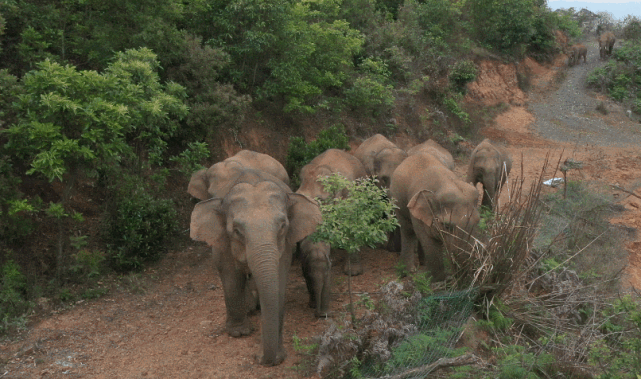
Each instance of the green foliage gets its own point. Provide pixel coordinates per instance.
(516, 363)
(300, 153)
(138, 226)
(620, 355)
(213, 104)
(504, 25)
(496, 319)
(13, 295)
(462, 73)
(632, 28)
(422, 281)
(621, 76)
(452, 105)
(370, 94)
(487, 217)
(189, 160)
(424, 348)
(363, 218)
(64, 127)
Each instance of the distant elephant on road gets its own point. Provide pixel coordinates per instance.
(316, 265)
(606, 43)
(576, 52)
(218, 179)
(329, 162)
(490, 165)
(437, 151)
(252, 230)
(430, 195)
(380, 157)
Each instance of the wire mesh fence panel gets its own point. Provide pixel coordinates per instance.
(440, 320)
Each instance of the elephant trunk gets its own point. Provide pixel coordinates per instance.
(489, 190)
(264, 264)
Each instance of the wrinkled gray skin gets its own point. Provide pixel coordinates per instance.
(427, 193)
(252, 230)
(437, 151)
(490, 165)
(575, 53)
(216, 180)
(606, 43)
(329, 162)
(316, 266)
(380, 157)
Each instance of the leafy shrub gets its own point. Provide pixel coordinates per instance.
(620, 78)
(369, 96)
(423, 348)
(13, 295)
(620, 356)
(300, 153)
(138, 225)
(462, 73)
(452, 105)
(516, 363)
(632, 28)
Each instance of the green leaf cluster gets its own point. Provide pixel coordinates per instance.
(363, 218)
(13, 291)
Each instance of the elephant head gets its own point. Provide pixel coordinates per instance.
(252, 229)
(215, 181)
(489, 165)
(440, 216)
(385, 162)
(310, 186)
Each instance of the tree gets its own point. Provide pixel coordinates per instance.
(362, 219)
(74, 122)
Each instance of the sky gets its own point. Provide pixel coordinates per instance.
(618, 8)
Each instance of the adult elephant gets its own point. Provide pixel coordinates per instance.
(490, 165)
(252, 230)
(606, 43)
(330, 162)
(216, 181)
(380, 157)
(437, 151)
(429, 194)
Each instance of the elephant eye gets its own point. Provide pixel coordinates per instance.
(237, 233)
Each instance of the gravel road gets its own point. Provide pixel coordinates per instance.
(569, 114)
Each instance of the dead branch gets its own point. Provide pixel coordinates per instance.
(463, 360)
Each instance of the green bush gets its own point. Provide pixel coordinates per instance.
(462, 73)
(300, 153)
(516, 363)
(620, 78)
(13, 296)
(138, 225)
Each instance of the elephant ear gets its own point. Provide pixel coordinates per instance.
(304, 215)
(420, 206)
(198, 185)
(208, 224)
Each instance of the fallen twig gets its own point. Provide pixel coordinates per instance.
(441, 363)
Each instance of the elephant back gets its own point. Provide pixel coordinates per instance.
(368, 150)
(433, 148)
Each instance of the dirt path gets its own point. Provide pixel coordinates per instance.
(167, 322)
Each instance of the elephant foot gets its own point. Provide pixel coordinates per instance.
(356, 269)
(280, 357)
(240, 330)
(312, 303)
(321, 314)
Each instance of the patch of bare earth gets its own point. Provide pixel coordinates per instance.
(168, 322)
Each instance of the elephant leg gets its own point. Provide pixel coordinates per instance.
(322, 297)
(234, 281)
(488, 196)
(353, 265)
(433, 251)
(309, 280)
(394, 241)
(421, 254)
(408, 245)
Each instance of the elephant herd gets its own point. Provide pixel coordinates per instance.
(606, 44)
(253, 220)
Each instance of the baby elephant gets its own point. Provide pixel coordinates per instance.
(489, 165)
(576, 52)
(316, 271)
